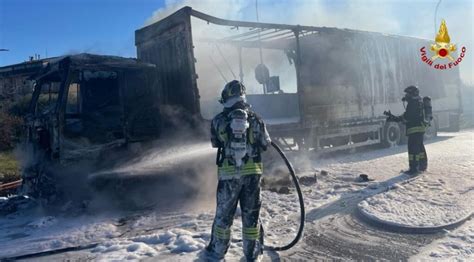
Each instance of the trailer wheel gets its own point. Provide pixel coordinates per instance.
(392, 134)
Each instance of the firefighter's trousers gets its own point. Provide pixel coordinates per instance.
(245, 190)
(417, 157)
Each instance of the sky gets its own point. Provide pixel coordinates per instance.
(59, 27)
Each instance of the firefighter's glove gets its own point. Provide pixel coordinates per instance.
(391, 117)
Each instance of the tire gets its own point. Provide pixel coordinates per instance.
(392, 134)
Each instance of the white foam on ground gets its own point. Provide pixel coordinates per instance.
(33, 232)
(458, 245)
(425, 202)
(183, 236)
(441, 196)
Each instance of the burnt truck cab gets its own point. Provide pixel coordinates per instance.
(84, 105)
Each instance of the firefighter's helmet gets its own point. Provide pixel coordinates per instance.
(234, 90)
(412, 91)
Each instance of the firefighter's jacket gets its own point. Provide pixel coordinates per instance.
(414, 117)
(257, 141)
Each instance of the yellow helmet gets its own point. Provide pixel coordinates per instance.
(232, 89)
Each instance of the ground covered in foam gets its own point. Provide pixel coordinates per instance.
(439, 196)
(425, 202)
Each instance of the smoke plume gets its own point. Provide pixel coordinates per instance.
(409, 18)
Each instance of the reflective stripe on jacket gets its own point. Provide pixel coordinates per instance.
(416, 129)
(227, 171)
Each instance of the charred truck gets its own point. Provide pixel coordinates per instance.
(82, 107)
(317, 88)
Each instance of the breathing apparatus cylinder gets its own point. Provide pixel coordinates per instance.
(238, 139)
(428, 110)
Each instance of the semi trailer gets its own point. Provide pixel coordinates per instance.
(318, 88)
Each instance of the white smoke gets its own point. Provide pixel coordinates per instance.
(410, 18)
(405, 17)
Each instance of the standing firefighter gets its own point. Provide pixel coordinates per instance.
(240, 136)
(416, 118)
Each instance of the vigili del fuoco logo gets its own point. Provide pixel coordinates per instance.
(442, 50)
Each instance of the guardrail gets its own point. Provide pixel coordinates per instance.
(11, 185)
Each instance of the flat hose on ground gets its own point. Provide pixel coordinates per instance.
(300, 198)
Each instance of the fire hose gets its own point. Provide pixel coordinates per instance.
(301, 201)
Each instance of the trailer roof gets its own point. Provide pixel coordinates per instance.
(266, 35)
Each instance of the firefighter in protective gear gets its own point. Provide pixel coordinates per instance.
(414, 119)
(240, 137)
